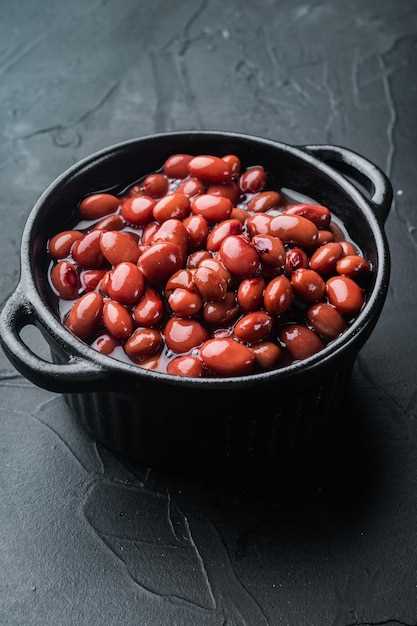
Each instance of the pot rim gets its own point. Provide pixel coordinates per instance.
(332, 351)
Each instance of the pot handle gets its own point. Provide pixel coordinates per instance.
(75, 376)
(361, 171)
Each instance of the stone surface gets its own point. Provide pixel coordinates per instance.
(85, 539)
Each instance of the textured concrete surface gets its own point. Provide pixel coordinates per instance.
(86, 540)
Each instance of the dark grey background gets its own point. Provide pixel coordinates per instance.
(85, 540)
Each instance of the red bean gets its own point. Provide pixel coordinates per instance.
(60, 245)
(197, 229)
(326, 320)
(234, 162)
(267, 354)
(138, 210)
(211, 284)
(325, 258)
(117, 320)
(104, 344)
(324, 236)
(348, 248)
(264, 201)
(352, 265)
(149, 232)
(210, 169)
(84, 315)
(270, 249)
(308, 285)
(253, 327)
(239, 256)
(98, 205)
(175, 205)
(104, 283)
(191, 187)
(212, 208)
(294, 229)
(218, 313)
(144, 342)
(185, 366)
(300, 341)
(177, 165)
(155, 185)
(295, 259)
(253, 180)
(216, 266)
(126, 283)
(64, 278)
(184, 303)
(91, 278)
(195, 258)
(160, 261)
(221, 231)
(183, 279)
(316, 213)
(239, 214)
(87, 251)
(250, 293)
(259, 224)
(228, 190)
(149, 310)
(227, 357)
(345, 295)
(173, 231)
(112, 222)
(118, 247)
(182, 335)
(278, 295)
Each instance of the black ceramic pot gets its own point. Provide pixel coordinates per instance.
(156, 418)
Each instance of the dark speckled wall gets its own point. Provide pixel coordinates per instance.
(85, 540)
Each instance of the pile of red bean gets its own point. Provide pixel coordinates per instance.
(197, 270)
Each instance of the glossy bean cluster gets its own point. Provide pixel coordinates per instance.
(205, 268)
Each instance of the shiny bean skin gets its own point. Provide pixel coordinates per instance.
(264, 201)
(148, 233)
(112, 222)
(175, 205)
(60, 246)
(104, 344)
(253, 327)
(87, 251)
(181, 335)
(348, 248)
(316, 213)
(117, 247)
(267, 354)
(253, 179)
(325, 258)
(308, 285)
(196, 258)
(191, 187)
(144, 342)
(185, 366)
(149, 310)
(270, 249)
(212, 208)
(185, 303)
(352, 265)
(227, 357)
(294, 229)
(221, 231)
(83, 318)
(197, 229)
(250, 293)
(345, 295)
(295, 259)
(239, 256)
(177, 165)
(326, 320)
(183, 279)
(172, 231)
(324, 236)
(234, 162)
(278, 295)
(160, 261)
(138, 210)
(300, 341)
(216, 266)
(228, 190)
(117, 320)
(210, 283)
(239, 214)
(91, 278)
(155, 185)
(259, 224)
(126, 283)
(218, 313)
(210, 169)
(64, 278)
(98, 205)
